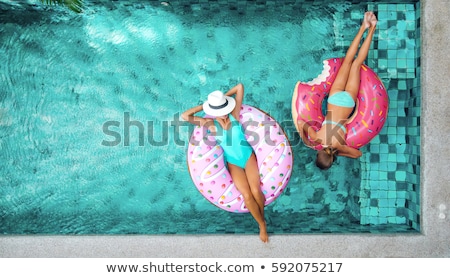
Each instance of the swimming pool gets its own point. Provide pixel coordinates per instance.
(135, 62)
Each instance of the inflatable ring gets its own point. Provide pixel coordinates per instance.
(211, 177)
(370, 110)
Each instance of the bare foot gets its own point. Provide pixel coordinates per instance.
(373, 21)
(263, 233)
(367, 17)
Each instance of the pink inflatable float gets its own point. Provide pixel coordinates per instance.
(271, 146)
(370, 111)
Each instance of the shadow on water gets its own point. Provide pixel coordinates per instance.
(22, 14)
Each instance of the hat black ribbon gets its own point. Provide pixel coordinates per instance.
(219, 106)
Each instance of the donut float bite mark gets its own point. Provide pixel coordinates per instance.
(371, 108)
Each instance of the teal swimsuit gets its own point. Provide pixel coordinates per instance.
(235, 147)
(343, 99)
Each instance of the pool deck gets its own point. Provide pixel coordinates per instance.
(433, 242)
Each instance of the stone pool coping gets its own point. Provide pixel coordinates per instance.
(433, 241)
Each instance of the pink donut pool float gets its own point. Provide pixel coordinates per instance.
(273, 152)
(371, 105)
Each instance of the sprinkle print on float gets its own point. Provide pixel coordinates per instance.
(273, 151)
(371, 105)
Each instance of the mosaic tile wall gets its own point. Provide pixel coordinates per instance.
(390, 166)
(390, 190)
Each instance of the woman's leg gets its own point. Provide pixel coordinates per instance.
(354, 79)
(240, 180)
(252, 172)
(340, 82)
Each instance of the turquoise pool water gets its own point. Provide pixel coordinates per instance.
(136, 65)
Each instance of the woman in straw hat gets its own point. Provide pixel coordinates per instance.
(224, 123)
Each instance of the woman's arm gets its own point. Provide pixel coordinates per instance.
(188, 116)
(307, 133)
(347, 151)
(237, 90)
